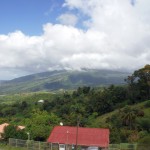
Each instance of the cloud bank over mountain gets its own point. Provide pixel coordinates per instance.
(94, 34)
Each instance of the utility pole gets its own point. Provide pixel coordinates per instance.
(77, 134)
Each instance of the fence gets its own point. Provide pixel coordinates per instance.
(129, 146)
(123, 146)
(36, 145)
(32, 145)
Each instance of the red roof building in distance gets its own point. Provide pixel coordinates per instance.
(81, 136)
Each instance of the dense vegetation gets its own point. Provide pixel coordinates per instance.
(125, 110)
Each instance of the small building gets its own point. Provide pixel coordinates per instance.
(2, 127)
(86, 138)
(20, 127)
(41, 101)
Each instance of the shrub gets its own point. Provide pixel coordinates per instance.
(147, 104)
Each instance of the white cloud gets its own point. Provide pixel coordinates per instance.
(118, 37)
(68, 19)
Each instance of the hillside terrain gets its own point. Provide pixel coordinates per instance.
(24, 109)
(55, 80)
(124, 109)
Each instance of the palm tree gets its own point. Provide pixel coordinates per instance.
(128, 117)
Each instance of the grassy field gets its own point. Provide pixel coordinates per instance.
(7, 147)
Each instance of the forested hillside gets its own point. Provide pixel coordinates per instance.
(62, 79)
(125, 110)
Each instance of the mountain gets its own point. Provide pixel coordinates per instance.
(1, 81)
(62, 79)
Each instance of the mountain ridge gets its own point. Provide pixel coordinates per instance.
(62, 79)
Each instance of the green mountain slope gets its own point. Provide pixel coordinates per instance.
(55, 80)
(144, 106)
(130, 124)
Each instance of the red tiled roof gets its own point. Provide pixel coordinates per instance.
(86, 136)
(20, 127)
(2, 126)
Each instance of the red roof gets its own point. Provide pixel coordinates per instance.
(86, 136)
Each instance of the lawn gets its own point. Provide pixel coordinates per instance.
(7, 147)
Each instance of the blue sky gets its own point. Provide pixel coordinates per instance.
(45, 35)
(28, 15)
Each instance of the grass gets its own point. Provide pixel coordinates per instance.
(101, 120)
(7, 147)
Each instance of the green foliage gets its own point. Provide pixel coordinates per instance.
(145, 140)
(12, 131)
(144, 123)
(128, 116)
(139, 84)
(147, 104)
(115, 137)
(91, 118)
(40, 124)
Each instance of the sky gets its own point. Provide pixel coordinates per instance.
(46, 35)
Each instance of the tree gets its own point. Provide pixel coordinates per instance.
(144, 123)
(12, 131)
(24, 105)
(139, 84)
(40, 124)
(128, 117)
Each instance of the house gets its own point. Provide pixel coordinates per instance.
(20, 127)
(2, 127)
(41, 101)
(86, 138)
